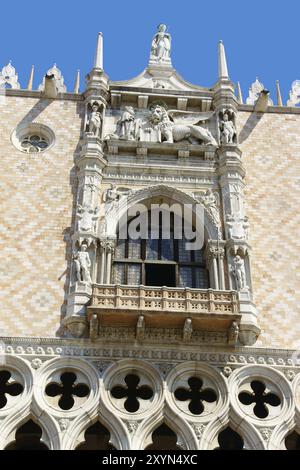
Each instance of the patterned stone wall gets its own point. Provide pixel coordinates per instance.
(36, 204)
(271, 152)
(36, 213)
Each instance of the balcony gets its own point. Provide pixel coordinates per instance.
(163, 307)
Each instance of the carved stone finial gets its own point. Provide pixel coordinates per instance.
(294, 94)
(255, 91)
(239, 93)
(222, 63)
(77, 82)
(278, 91)
(58, 77)
(9, 77)
(30, 81)
(98, 62)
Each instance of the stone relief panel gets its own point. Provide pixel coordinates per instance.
(162, 126)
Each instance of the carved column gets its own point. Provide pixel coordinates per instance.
(110, 246)
(214, 256)
(90, 165)
(231, 173)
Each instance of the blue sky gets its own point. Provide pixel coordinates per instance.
(261, 38)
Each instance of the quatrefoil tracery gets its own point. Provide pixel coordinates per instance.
(260, 397)
(8, 387)
(67, 389)
(196, 395)
(133, 392)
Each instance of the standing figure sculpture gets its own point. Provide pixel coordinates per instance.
(161, 44)
(227, 129)
(211, 203)
(238, 271)
(126, 124)
(95, 120)
(83, 265)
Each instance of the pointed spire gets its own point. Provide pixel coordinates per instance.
(239, 93)
(223, 71)
(279, 98)
(98, 63)
(77, 82)
(30, 81)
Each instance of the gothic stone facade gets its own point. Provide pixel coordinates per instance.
(216, 355)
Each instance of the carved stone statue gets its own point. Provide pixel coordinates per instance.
(182, 126)
(233, 332)
(238, 272)
(211, 203)
(87, 218)
(95, 120)
(227, 128)
(161, 45)
(111, 194)
(83, 265)
(187, 329)
(126, 129)
(140, 328)
(237, 226)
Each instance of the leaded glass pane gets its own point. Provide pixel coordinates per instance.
(134, 249)
(167, 250)
(119, 273)
(151, 249)
(134, 274)
(183, 254)
(120, 249)
(185, 276)
(199, 256)
(201, 278)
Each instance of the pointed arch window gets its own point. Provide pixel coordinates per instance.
(159, 261)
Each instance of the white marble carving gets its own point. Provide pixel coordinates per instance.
(187, 329)
(59, 80)
(227, 127)
(127, 125)
(94, 119)
(238, 271)
(237, 226)
(163, 126)
(161, 46)
(254, 91)
(294, 94)
(211, 202)
(87, 218)
(9, 77)
(82, 265)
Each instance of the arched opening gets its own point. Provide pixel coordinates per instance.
(28, 437)
(96, 438)
(163, 438)
(161, 256)
(292, 441)
(229, 440)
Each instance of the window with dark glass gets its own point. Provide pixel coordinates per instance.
(159, 262)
